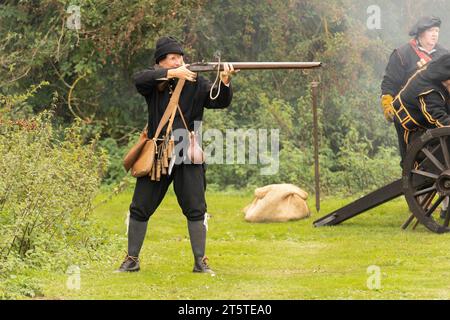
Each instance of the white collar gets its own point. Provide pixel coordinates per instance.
(425, 50)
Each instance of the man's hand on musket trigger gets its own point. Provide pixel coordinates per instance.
(228, 71)
(182, 73)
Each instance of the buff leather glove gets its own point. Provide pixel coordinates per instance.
(388, 109)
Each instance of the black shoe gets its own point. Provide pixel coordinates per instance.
(201, 266)
(130, 264)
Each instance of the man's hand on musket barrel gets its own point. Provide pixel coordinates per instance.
(182, 72)
(228, 71)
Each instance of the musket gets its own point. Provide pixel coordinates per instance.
(218, 66)
(213, 66)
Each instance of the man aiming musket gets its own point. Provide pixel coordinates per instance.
(158, 85)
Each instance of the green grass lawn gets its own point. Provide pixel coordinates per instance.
(268, 261)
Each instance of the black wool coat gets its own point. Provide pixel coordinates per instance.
(401, 66)
(194, 97)
(423, 104)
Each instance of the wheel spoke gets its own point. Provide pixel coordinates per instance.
(425, 174)
(434, 206)
(419, 182)
(425, 203)
(429, 201)
(426, 159)
(433, 159)
(423, 191)
(444, 147)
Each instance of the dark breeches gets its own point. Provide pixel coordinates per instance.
(189, 185)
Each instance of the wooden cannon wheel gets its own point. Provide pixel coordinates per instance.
(426, 178)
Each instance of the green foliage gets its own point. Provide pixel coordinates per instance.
(49, 175)
(18, 286)
(115, 170)
(87, 73)
(46, 190)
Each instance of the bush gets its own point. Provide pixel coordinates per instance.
(115, 171)
(46, 190)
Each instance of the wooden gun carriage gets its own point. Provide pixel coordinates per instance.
(425, 183)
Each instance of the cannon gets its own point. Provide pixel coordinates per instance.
(425, 183)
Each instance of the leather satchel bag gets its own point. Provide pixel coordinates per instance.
(133, 154)
(143, 164)
(146, 157)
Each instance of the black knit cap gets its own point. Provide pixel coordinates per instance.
(166, 45)
(439, 70)
(425, 23)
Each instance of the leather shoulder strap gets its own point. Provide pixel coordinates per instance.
(171, 107)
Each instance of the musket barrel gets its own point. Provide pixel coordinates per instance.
(212, 66)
